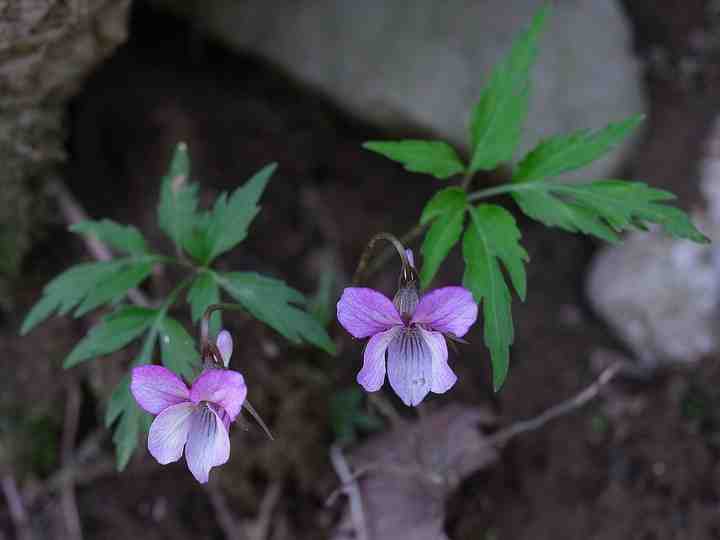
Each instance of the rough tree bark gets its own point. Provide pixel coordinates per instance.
(47, 48)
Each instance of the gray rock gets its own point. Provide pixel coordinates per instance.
(661, 294)
(423, 63)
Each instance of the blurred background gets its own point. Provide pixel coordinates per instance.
(95, 94)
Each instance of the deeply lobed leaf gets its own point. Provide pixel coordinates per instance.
(498, 117)
(113, 333)
(87, 286)
(492, 236)
(436, 158)
(231, 217)
(604, 207)
(123, 238)
(178, 349)
(565, 153)
(271, 301)
(446, 210)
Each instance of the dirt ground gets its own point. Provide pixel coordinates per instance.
(639, 463)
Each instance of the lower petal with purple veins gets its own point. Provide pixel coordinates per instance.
(169, 432)
(372, 375)
(409, 366)
(208, 443)
(443, 378)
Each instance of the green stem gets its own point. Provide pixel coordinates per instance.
(498, 190)
(467, 180)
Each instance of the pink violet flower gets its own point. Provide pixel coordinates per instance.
(407, 336)
(195, 419)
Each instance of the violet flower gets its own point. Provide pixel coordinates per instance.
(196, 419)
(410, 331)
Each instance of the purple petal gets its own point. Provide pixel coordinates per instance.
(224, 344)
(169, 431)
(222, 387)
(156, 388)
(443, 378)
(449, 310)
(372, 375)
(364, 312)
(208, 443)
(409, 366)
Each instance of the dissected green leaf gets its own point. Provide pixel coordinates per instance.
(564, 153)
(122, 405)
(231, 216)
(178, 199)
(178, 349)
(491, 237)
(271, 301)
(67, 290)
(436, 158)
(604, 207)
(123, 238)
(128, 274)
(113, 333)
(204, 292)
(498, 117)
(447, 209)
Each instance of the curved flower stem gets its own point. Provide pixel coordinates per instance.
(385, 256)
(408, 272)
(207, 347)
(210, 353)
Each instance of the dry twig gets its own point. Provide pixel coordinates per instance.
(67, 491)
(501, 437)
(18, 514)
(351, 489)
(260, 529)
(232, 529)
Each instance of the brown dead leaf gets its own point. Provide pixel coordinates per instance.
(412, 471)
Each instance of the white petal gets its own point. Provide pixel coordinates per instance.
(208, 443)
(409, 367)
(372, 375)
(169, 431)
(443, 378)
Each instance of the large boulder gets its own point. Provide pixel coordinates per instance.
(420, 65)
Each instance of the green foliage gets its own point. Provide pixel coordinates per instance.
(205, 235)
(178, 349)
(113, 333)
(498, 117)
(123, 238)
(604, 208)
(66, 291)
(564, 153)
(130, 420)
(274, 303)
(347, 415)
(493, 237)
(178, 200)
(204, 292)
(436, 158)
(230, 218)
(446, 210)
